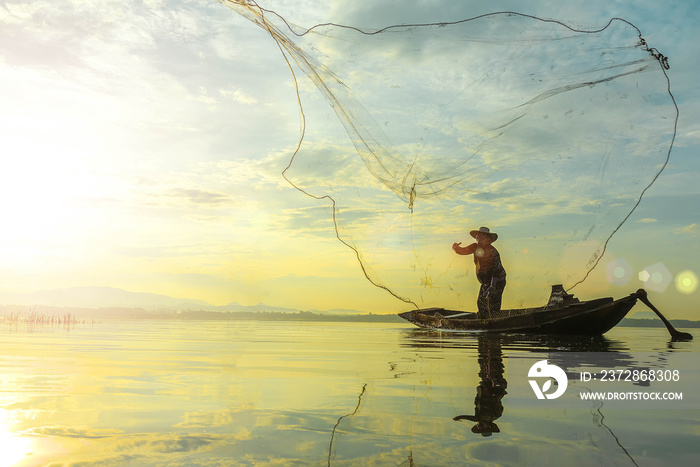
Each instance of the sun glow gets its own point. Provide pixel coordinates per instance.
(14, 448)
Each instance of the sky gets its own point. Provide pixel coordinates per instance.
(144, 144)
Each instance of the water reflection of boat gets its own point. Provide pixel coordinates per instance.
(530, 343)
(563, 314)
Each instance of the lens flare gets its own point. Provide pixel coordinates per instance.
(619, 272)
(656, 278)
(686, 282)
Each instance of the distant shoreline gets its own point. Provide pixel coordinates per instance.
(657, 323)
(277, 316)
(54, 314)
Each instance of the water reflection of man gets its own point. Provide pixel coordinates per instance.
(489, 271)
(491, 389)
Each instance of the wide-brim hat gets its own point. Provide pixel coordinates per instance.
(484, 230)
(485, 428)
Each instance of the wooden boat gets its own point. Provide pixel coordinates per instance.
(563, 314)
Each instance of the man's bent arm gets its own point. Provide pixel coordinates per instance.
(464, 250)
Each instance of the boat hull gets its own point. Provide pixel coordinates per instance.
(593, 317)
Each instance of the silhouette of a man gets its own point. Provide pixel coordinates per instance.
(489, 271)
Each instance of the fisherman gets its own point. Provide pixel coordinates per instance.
(489, 271)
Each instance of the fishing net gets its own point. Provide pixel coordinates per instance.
(547, 133)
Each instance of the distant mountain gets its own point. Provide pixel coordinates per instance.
(235, 308)
(337, 311)
(110, 297)
(104, 297)
(644, 315)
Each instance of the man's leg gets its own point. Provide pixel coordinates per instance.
(482, 303)
(494, 299)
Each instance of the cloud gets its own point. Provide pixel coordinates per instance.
(201, 197)
(692, 229)
(71, 432)
(14, 13)
(648, 220)
(306, 220)
(183, 443)
(237, 95)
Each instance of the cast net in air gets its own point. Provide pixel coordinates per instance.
(546, 133)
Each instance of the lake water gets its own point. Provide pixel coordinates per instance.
(172, 393)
